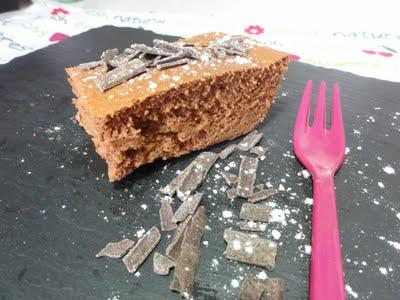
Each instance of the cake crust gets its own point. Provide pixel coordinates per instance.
(167, 113)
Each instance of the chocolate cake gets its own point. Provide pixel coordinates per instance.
(163, 101)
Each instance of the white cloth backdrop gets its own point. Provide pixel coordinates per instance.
(334, 40)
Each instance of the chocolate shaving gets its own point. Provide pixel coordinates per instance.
(219, 52)
(195, 231)
(232, 193)
(197, 174)
(227, 151)
(274, 289)
(131, 51)
(186, 265)
(229, 178)
(151, 50)
(190, 52)
(116, 250)
(109, 54)
(121, 59)
(166, 46)
(138, 254)
(171, 188)
(188, 207)
(251, 289)
(91, 64)
(232, 52)
(259, 186)
(162, 264)
(255, 212)
(250, 140)
(174, 248)
(171, 64)
(259, 151)
(171, 58)
(167, 219)
(121, 74)
(247, 176)
(250, 249)
(262, 195)
(252, 226)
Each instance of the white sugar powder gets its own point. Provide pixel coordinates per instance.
(395, 245)
(227, 214)
(389, 170)
(262, 275)
(235, 283)
(236, 245)
(383, 271)
(350, 291)
(278, 215)
(308, 201)
(276, 234)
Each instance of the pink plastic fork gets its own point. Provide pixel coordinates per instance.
(321, 151)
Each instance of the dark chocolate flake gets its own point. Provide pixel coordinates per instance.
(162, 264)
(188, 207)
(250, 140)
(229, 178)
(259, 186)
(167, 219)
(167, 46)
(232, 193)
(109, 54)
(250, 249)
(172, 187)
(195, 230)
(186, 265)
(232, 51)
(251, 289)
(91, 64)
(255, 212)
(262, 195)
(227, 151)
(116, 250)
(151, 50)
(274, 289)
(197, 174)
(247, 176)
(121, 59)
(121, 74)
(169, 59)
(174, 248)
(259, 151)
(172, 64)
(138, 254)
(219, 52)
(252, 226)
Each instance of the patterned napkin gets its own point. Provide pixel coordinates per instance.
(372, 54)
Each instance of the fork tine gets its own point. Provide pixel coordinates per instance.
(303, 113)
(320, 110)
(337, 118)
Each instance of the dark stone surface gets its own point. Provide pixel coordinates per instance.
(48, 251)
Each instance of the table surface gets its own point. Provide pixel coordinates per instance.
(57, 209)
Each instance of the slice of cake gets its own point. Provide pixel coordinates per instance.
(166, 100)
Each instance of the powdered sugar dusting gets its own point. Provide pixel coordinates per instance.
(350, 291)
(389, 170)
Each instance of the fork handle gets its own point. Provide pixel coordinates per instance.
(326, 275)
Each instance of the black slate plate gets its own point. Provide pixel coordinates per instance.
(57, 209)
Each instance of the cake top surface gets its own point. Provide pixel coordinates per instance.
(101, 104)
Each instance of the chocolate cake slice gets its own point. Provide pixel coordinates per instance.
(166, 100)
